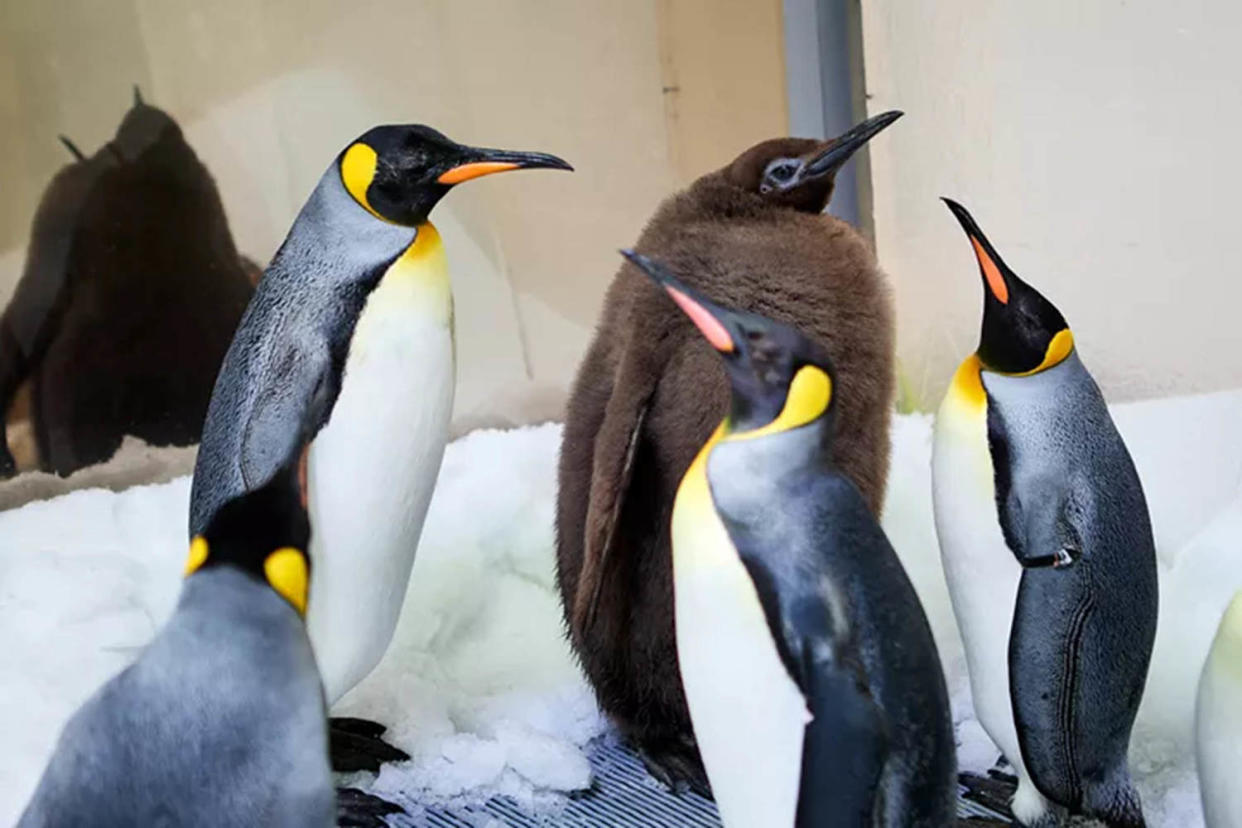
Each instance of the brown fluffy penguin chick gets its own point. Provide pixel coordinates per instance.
(650, 390)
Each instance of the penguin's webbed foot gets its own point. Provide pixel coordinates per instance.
(676, 767)
(358, 809)
(355, 745)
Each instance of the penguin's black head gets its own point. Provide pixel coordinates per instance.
(800, 172)
(780, 379)
(1023, 333)
(398, 173)
(265, 533)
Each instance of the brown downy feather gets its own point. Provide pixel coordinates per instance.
(649, 375)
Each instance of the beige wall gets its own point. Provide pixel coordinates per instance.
(640, 96)
(1097, 144)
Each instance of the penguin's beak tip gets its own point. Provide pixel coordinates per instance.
(843, 147)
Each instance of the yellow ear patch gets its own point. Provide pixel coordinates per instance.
(287, 573)
(198, 555)
(357, 173)
(808, 398)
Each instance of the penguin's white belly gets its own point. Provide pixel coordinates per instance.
(1218, 737)
(982, 574)
(372, 470)
(749, 717)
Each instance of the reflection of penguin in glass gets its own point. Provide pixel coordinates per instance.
(1048, 553)
(813, 682)
(221, 720)
(130, 295)
(650, 391)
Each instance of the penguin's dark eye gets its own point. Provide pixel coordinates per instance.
(782, 173)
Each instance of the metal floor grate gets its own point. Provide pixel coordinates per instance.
(623, 796)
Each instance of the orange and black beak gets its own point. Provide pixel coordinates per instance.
(712, 320)
(996, 274)
(478, 162)
(844, 146)
(1022, 332)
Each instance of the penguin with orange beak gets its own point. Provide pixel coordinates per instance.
(1048, 553)
(353, 320)
(813, 683)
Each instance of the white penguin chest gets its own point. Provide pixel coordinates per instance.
(373, 467)
(982, 574)
(749, 716)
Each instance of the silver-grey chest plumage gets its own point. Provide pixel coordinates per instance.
(220, 722)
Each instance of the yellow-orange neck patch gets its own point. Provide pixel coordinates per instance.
(967, 385)
(197, 557)
(1058, 349)
(357, 172)
(288, 574)
(810, 392)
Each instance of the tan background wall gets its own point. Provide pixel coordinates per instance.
(640, 95)
(1097, 145)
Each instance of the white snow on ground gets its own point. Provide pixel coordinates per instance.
(479, 686)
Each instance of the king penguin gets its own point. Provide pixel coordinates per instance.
(221, 720)
(649, 392)
(1048, 553)
(814, 685)
(354, 316)
(1218, 723)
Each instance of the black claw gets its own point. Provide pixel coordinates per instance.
(358, 809)
(355, 745)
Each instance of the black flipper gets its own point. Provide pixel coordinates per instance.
(357, 809)
(846, 748)
(845, 753)
(355, 745)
